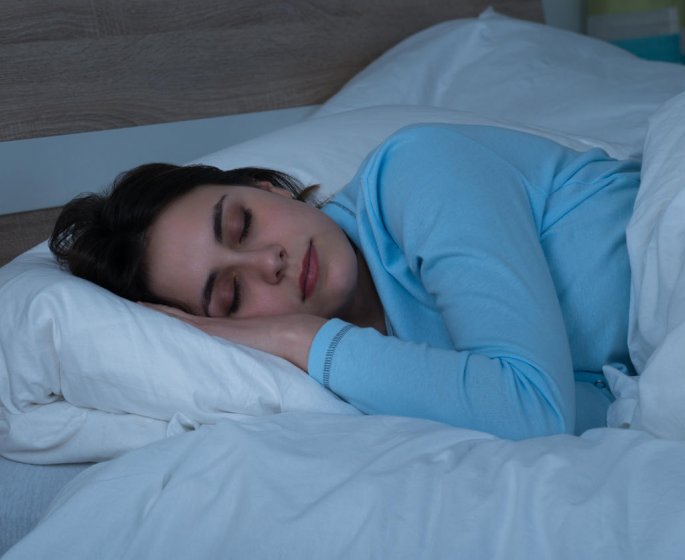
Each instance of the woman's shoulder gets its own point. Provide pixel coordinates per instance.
(451, 132)
(421, 133)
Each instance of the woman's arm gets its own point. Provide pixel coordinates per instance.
(287, 336)
(460, 216)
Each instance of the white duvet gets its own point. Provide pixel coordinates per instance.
(328, 486)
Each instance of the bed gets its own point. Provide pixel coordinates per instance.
(207, 449)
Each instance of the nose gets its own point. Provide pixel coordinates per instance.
(268, 262)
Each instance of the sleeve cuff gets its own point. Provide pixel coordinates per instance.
(323, 349)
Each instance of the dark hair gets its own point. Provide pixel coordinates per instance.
(102, 237)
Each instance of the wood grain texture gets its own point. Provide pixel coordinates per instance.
(84, 65)
(21, 231)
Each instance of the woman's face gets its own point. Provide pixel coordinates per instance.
(248, 252)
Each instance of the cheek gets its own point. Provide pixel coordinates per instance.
(268, 301)
(340, 281)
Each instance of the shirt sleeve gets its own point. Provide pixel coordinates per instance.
(464, 218)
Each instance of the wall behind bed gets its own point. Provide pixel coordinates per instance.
(80, 65)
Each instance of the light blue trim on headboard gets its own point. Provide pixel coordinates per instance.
(662, 47)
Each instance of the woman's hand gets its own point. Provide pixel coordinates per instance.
(287, 336)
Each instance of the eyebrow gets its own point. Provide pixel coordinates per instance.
(218, 227)
(218, 220)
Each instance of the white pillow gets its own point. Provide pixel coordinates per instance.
(503, 68)
(656, 245)
(86, 375)
(329, 149)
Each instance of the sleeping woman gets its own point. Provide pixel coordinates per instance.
(471, 275)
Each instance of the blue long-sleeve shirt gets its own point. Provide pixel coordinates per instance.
(501, 264)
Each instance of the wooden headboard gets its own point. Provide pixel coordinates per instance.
(86, 65)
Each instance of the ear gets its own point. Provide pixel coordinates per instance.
(267, 186)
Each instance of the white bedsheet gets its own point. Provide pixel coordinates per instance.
(305, 485)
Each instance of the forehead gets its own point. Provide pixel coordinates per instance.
(191, 209)
(177, 243)
(198, 204)
(197, 198)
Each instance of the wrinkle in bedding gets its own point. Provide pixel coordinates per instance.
(299, 485)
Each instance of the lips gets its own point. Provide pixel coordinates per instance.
(310, 272)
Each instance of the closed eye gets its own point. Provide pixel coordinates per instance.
(235, 304)
(247, 223)
(217, 220)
